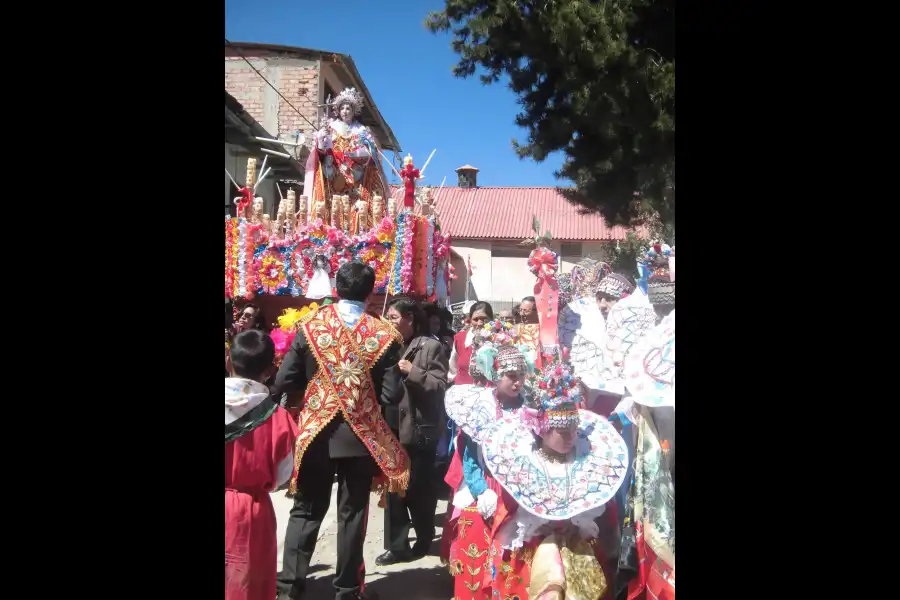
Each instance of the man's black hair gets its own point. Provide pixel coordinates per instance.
(529, 299)
(354, 281)
(252, 352)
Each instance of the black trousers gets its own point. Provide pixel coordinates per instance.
(417, 508)
(354, 476)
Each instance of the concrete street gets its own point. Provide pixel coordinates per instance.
(423, 579)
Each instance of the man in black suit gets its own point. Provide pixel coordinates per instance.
(336, 448)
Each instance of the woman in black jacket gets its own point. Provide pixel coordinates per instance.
(418, 422)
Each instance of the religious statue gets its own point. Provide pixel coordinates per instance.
(285, 216)
(377, 210)
(345, 212)
(320, 210)
(251, 173)
(288, 225)
(258, 207)
(410, 174)
(426, 203)
(301, 213)
(392, 208)
(345, 155)
(267, 225)
(336, 210)
(360, 217)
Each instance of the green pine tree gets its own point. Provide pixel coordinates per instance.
(595, 79)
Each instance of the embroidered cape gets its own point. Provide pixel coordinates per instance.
(343, 384)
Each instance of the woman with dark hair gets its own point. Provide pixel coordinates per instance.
(461, 356)
(249, 317)
(439, 326)
(418, 421)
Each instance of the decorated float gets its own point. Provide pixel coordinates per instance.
(349, 215)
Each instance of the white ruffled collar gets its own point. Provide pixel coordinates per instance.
(345, 130)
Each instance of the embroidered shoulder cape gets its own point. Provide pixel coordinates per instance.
(343, 384)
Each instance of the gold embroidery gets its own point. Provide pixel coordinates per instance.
(473, 571)
(473, 552)
(461, 525)
(342, 383)
(455, 568)
(584, 576)
(528, 556)
(474, 587)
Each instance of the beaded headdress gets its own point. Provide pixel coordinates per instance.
(654, 267)
(554, 399)
(615, 285)
(497, 349)
(509, 360)
(582, 281)
(348, 96)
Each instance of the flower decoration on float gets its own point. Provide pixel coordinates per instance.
(441, 245)
(542, 262)
(229, 246)
(408, 251)
(270, 271)
(394, 248)
(430, 261)
(283, 335)
(553, 398)
(402, 254)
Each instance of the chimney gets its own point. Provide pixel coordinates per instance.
(468, 176)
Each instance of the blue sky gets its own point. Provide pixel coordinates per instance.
(408, 71)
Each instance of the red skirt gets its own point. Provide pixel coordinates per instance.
(471, 557)
(251, 547)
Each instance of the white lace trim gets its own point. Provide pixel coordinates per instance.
(525, 526)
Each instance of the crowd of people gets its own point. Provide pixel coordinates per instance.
(406, 407)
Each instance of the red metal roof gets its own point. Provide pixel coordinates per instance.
(505, 213)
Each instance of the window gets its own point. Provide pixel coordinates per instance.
(571, 250)
(329, 93)
(509, 250)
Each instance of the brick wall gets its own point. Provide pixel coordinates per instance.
(296, 79)
(246, 86)
(299, 84)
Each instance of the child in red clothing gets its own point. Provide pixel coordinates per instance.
(259, 458)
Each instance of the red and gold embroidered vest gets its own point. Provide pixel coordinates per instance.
(343, 383)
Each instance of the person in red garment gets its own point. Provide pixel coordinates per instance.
(461, 355)
(259, 458)
(458, 374)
